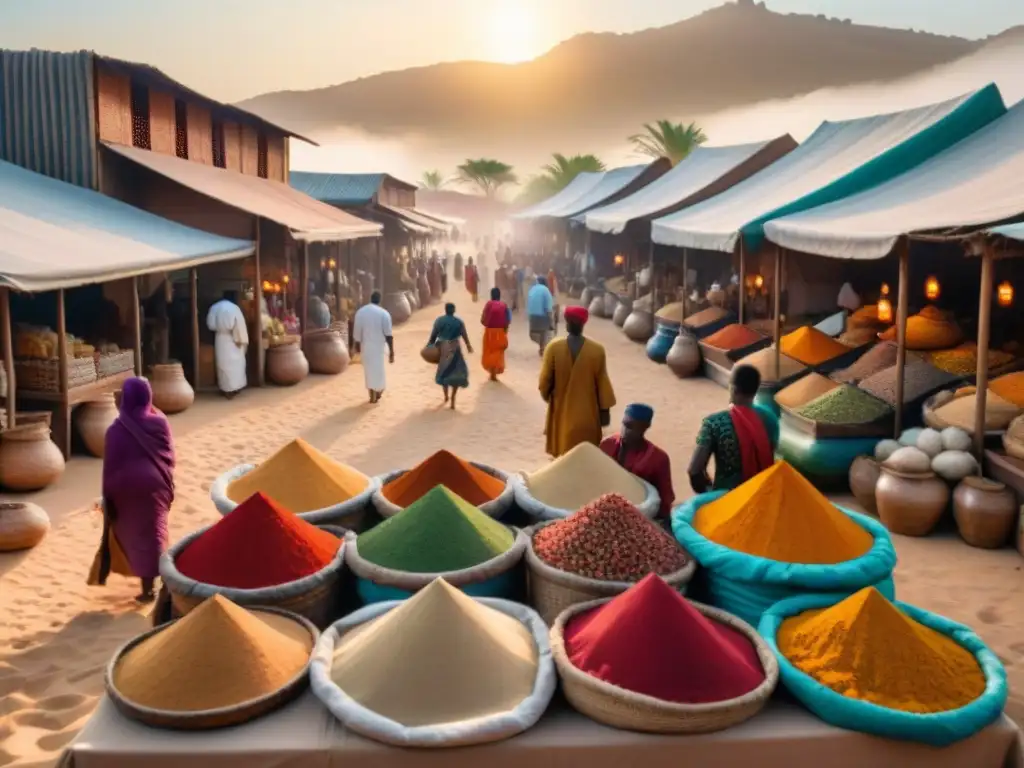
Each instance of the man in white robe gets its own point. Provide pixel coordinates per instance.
(226, 320)
(372, 335)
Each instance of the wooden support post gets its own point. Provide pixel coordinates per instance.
(743, 278)
(653, 283)
(984, 333)
(336, 251)
(12, 385)
(64, 422)
(304, 292)
(380, 267)
(136, 324)
(682, 311)
(903, 297)
(193, 292)
(257, 339)
(777, 320)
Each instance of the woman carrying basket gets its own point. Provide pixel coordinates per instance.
(452, 371)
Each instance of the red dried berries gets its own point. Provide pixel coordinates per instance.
(609, 539)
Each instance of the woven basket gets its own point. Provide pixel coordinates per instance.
(495, 508)
(44, 375)
(538, 510)
(211, 718)
(113, 363)
(317, 597)
(617, 707)
(552, 590)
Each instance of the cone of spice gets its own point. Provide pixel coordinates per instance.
(811, 346)
(300, 478)
(439, 657)
(438, 533)
(706, 317)
(779, 515)
(610, 540)
(219, 655)
(582, 475)
(443, 468)
(652, 641)
(257, 545)
(805, 389)
(733, 336)
(866, 648)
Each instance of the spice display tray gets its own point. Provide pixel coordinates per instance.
(1011, 367)
(933, 420)
(844, 360)
(707, 329)
(727, 357)
(880, 427)
(721, 375)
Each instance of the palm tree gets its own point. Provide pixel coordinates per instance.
(433, 180)
(557, 175)
(667, 139)
(487, 175)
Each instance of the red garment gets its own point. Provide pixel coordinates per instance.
(651, 464)
(577, 314)
(755, 447)
(471, 279)
(495, 314)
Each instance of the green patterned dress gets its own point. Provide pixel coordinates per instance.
(717, 433)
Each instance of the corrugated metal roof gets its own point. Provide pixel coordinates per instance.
(308, 219)
(338, 188)
(1011, 231)
(58, 235)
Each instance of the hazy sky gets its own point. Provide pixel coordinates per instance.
(231, 49)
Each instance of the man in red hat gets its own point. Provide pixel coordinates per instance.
(574, 383)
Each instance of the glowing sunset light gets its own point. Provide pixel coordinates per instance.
(513, 32)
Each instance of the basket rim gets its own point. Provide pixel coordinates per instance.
(142, 712)
(765, 654)
(520, 481)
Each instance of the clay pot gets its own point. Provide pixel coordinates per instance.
(684, 356)
(639, 326)
(622, 310)
(171, 391)
(611, 303)
(423, 288)
(397, 306)
(22, 525)
(985, 512)
(29, 459)
(286, 365)
(662, 341)
(587, 296)
(327, 353)
(413, 299)
(596, 307)
(910, 504)
(864, 474)
(93, 419)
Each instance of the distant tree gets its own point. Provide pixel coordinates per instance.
(667, 139)
(557, 175)
(487, 175)
(433, 180)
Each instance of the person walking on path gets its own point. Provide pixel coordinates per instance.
(496, 319)
(742, 439)
(472, 279)
(231, 341)
(372, 335)
(539, 308)
(574, 383)
(635, 453)
(138, 490)
(452, 371)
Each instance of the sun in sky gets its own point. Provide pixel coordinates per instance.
(513, 34)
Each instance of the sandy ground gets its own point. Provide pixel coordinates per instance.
(56, 634)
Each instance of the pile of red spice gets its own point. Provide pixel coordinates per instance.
(611, 540)
(650, 640)
(257, 545)
(733, 336)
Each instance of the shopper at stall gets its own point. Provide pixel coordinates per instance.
(372, 335)
(452, 372)
(634, 452)
(496, 319)
(472, 278)
(231, 341)
(539, 308)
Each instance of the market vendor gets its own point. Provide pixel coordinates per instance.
(638, 455)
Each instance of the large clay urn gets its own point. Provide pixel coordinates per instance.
(596, 307)
(413, 299)
(22, 525)
(864, 474)
(286, 365)
(910, 503)
(622, 310)
(326, 352)
(423, 287)
(985, 511)
(684, 357)
(661, 342)
(29, 459)
(93, 419)
(171, 391)
(587, 296)
(639, 326)
(397, 306)
(611, 303)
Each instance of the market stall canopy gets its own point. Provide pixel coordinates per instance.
(838, 160)
(454, 221)
(971, 184)
(59, 235)
(431, 225)
(574, 190)
(1010, 231)
(344, 189)
(706, 172)
(307, 219)
(616, 184)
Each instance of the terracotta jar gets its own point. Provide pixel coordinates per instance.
(327, 353)
(910, 503)
(171, 391)
(413, 299)
(423, 289)
(286, 365)
(665, 334)
(93, 419)
(22, 525)
(397, 306)
(985, 511)
(611, 303)
(587, 296)
(639, 326)
(29, 459)
(596, 307)
(622, 310)
(864, 474)
(684, 357)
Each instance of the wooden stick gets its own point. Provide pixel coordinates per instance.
(62, 368)
(682, 312)
(136, 323)
(743, 278)
(984, 333)
(258, 294)
(304, 292)
(903, 297)
(777, 320)
(12, 385)
(193, 288)
(336, 250)
(380, 266)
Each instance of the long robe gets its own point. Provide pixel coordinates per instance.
(371, 329)
(226, 320)
(576, 392)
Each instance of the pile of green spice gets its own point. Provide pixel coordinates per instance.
(437, 533)
(845, 405)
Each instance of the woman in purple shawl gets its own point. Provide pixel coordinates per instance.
(138, 487)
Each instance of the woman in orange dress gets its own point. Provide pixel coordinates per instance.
(496, 318)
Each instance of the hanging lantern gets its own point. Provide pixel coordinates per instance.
(619, 259)
(931, 288)
(268, 287)
(759, 282)
(1004, 293)
(332, 263)
(885, 310)
(277, 287)
(286, 279)
(885, 289)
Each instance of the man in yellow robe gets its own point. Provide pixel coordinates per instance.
(574, 383)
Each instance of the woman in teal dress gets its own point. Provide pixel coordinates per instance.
(452, 371)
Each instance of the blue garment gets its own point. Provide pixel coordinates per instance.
(539, 302)
(452, 370)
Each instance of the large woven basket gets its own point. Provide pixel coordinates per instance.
(211, 718)
(617, 707)
(495, 508)
(538, 510)
(316, 597)
(552, 590)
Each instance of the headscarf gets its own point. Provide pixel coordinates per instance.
(577, 315)
(139, 429)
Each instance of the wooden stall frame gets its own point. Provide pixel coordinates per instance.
(12, 384)
(984, 333)
(304, 293)
(903, 299)
(380, 264)
(136, 329)
(743, 279)
(777, 306)
(258, 297)
(193, 284)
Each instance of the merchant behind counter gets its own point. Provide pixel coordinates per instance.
(636, 454)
